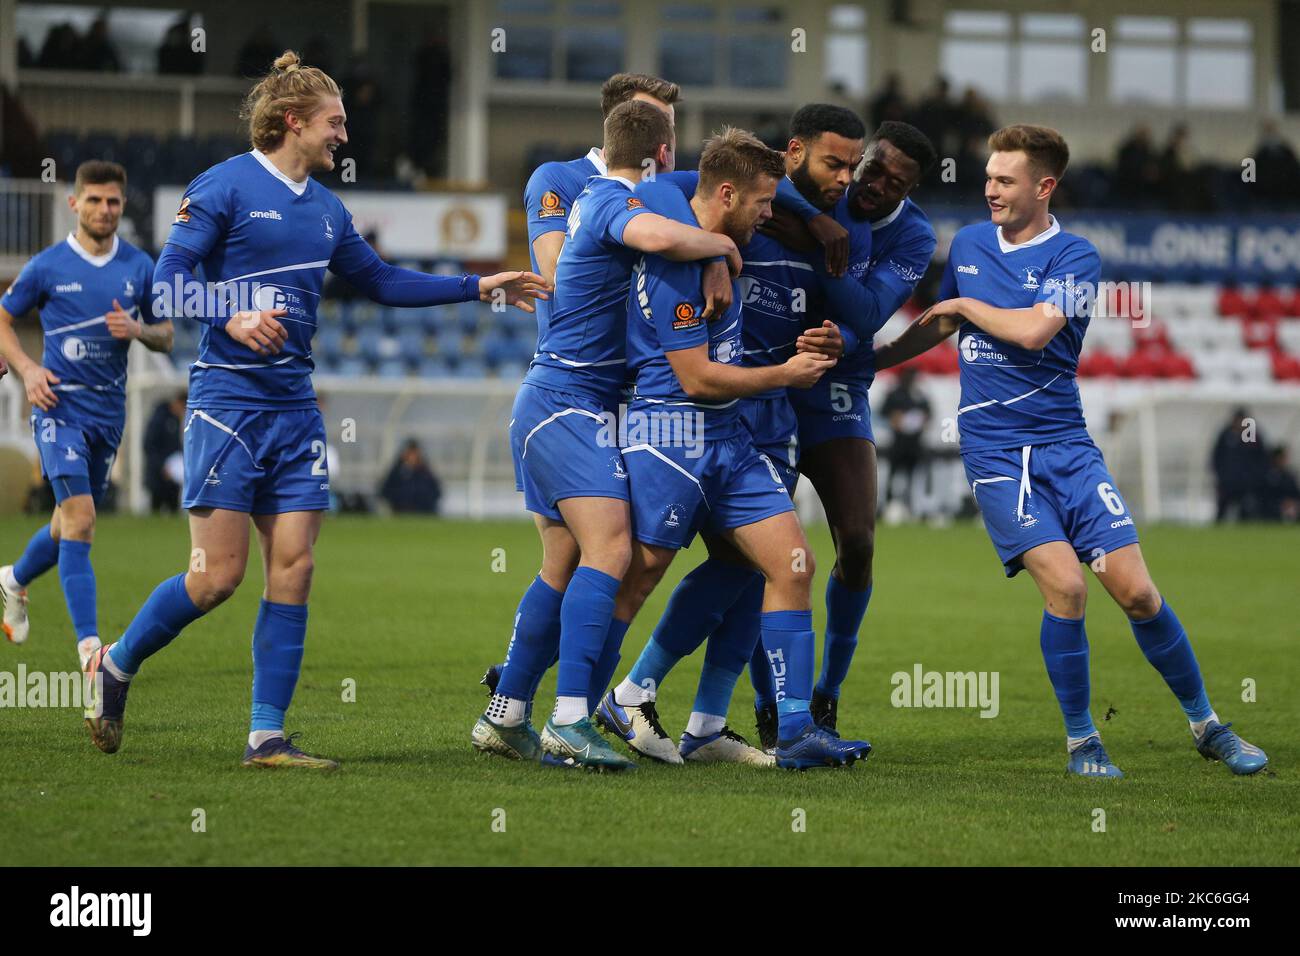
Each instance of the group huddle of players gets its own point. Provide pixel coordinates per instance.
(724, 320)
(703, 339)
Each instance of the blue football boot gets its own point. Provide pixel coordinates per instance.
(1220, 743)
(1090, 759)
(281, 752)
(813, 747)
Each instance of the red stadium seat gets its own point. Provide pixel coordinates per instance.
(1269, 304)
(1260, 333)
(1286, 368)
(1232, 302)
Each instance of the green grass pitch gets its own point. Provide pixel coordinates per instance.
(413, 611)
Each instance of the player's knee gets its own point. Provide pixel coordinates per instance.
(1069, 598)
(613, 557)
(213, 586)
(854, 556)
(295, 573)
(1142, 602)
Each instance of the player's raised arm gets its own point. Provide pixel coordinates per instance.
(388, 284)
(679, 242)
(706, 380)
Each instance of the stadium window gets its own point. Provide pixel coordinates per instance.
(1052, 58)
(687, 13)
(689, 58)
(758, 61)
(847, 50)
(1143, 73)
(134, 33)
(979, 22)
(983, 64)
(1146, 28)
(526, 7)
(1219, 78)
(528, 55)
(592, 55)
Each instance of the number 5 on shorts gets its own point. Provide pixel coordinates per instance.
(841, 398)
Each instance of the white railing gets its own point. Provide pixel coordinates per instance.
(33, 215)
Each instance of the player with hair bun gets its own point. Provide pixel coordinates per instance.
(265, 232)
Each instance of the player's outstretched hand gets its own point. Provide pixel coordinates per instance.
(716, 286)
(824, 341)
(120, 324)
(259, 331)
(946, 313)
(805, 368)
(515, 288)
(37, 381)
(834, 239)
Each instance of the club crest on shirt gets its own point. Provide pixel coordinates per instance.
(618, 470)
(674, 518)
(328, 223)
(1031, 274)
(552, 208)
(128, 289)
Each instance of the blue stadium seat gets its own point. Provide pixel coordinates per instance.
(432, 367)
(390, 319)
(64, 147)
(102, 144)
(412, 343)
(392, 368)
(329, 342)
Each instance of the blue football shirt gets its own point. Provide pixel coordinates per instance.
(584, 347)
(548, 198)
(74, 290)
(270, 240)
(1010, 396)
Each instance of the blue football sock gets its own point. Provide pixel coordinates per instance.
(1165, 644)
(1065, 652)
(788, 639)
(41, 554)
(653, 665)
(78, 579)
(606, 664)
(698, 604)
(278, 639)
(725, 657)
(585, 613)
(845, 609)
(534, 641)
(167, 612)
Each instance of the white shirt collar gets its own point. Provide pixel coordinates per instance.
(898, 211)
(597, 159)
(298, 187)
(619, 179)
(1043, 236)
(97, 261)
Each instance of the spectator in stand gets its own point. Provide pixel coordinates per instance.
(61, 49)
(973, 117)
(888, 104)
(1281, 490)
(258, 50)
(430, 104)
(162, 447)
(177, 55)
(908, 412)
(411, 485)
(934, 117)
(1240, 463)
(96, 50)
(1277, 171)
(365, 139)
(1137, 168)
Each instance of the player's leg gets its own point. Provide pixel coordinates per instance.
(505, 727)
(602, 528)
(77, 534)
(40, 554)
(778, 548)
(1165, 644)
(218, 557)
(287, 542)
(1055, 568)
(843, 472)
(629, 710)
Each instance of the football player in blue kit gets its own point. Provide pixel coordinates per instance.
(93, 293)
(837, 450)
(693, 465)
(264, 232)
(788, 297)
(572, 473)
(1019, 292)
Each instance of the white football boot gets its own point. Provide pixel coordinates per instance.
(638, 725)
(726, 746)
(14, 599)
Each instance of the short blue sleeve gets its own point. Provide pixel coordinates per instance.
(203, 216)
(545, 201)
(613, 212)
(667, 198)
(26, 292)
(948, 284)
